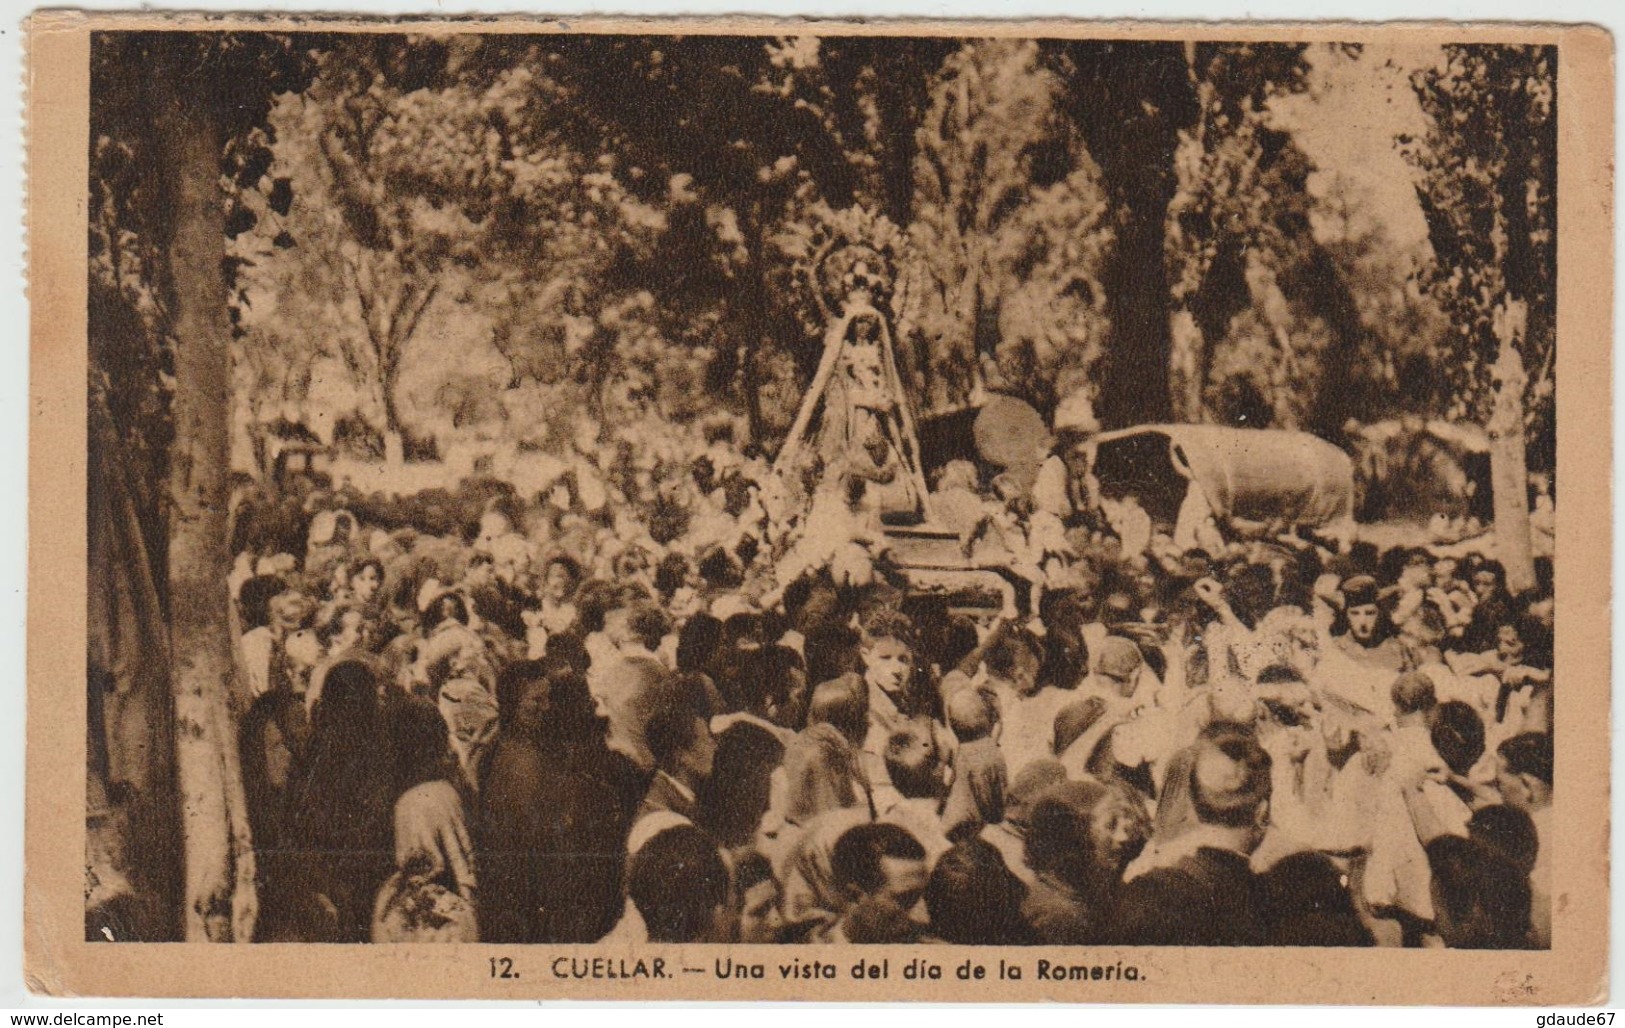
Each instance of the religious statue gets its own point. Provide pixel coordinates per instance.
(855, 424)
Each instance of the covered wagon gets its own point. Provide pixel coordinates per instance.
(1257, 475)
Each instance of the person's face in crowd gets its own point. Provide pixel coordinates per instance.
(697, 760)
(1484, 585)
(365, 583)
(1509, 645)
(533, 706)
(905, 881)
(1116, 833)
(1023, 673)
(888, 663)
(1363, 622)
(759, 917)
(287, 612)
(1444, 572)
(556, 583)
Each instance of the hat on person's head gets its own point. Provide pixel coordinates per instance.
(1359, 591)
(1027, 785)
(1118, 658)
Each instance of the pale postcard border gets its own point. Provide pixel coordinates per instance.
(59, 962)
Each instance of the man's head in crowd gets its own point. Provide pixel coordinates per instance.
(1413, 697)
(1230, 783)
(1118, 664)
(912, 765)
(974, 899)
(1360, 608)
(1509, 644)
(1458, 735)
(1509, 832)
(887, 650)
(1481, 900)
(1014, 661)
(846, 709)
(1118, 828)
(972, 714)
(761, 920)
(679, 885)
(366, 577)
(1058, 836)
(1489, 580)
(681, 743)
(254, 600)
(1524, 770)
(1026, 787)
(879, 861)
(560, 577)
(738, 792)
(767, 680)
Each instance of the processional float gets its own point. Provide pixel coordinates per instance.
(856, 428)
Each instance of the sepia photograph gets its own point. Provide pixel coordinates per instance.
(599, 492)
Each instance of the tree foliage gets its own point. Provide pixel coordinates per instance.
(1487, 184)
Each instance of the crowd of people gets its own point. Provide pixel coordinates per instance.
(550, 726)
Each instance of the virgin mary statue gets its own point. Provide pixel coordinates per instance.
(854, 429)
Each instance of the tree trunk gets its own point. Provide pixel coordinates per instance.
(1187, 370)
(1134, 387)
(1130, 105)
(219, 857)
(394, 434)
(1509, 474)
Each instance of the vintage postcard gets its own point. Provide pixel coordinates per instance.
(783, 510)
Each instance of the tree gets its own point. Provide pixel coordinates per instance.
(1012, 228)
(184, 142)
(390, 185)
(1129, 101)
(1487, 183)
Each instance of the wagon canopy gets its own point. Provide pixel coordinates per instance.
(1255, 474)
